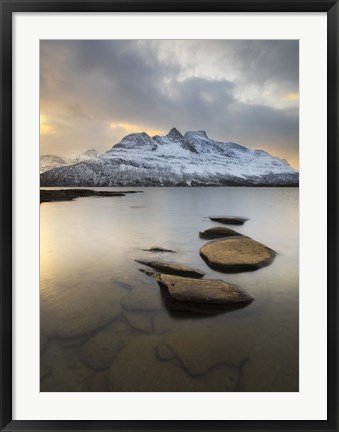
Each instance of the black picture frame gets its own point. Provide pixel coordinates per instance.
(7, 8)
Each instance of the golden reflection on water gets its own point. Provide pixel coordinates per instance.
(87, 253)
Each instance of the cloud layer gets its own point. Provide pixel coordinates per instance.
(95, 92)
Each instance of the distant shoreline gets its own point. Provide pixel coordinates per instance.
(176, 186)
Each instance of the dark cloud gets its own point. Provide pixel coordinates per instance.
(88, 85)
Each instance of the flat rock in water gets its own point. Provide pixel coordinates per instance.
(236, 254)
(229, 220)
(158, 249)
(196, 294)
(217, 232)
(173, 269)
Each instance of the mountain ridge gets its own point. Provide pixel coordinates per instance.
(49, 161)
(192, 159)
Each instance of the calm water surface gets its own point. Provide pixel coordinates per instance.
(104, 324)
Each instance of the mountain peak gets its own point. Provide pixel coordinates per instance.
(174, 134)
(199, 133)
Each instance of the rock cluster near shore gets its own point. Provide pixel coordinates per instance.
(229, 252)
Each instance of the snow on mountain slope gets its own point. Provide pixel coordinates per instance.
(48, 162)
(175, 160)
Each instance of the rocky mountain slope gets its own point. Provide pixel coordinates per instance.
(192, 159)
(48, 162)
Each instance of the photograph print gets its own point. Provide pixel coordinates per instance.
(169, 216)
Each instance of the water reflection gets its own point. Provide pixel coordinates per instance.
(104, 324)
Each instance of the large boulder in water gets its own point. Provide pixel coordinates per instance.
(236, 254)
(201, 295)
(173, 269)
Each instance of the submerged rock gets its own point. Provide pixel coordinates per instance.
(200, 295)
(162, 323)
(158, 249)
(43, 342)
(138, 320)
(217, 232)
(65, 372)
(236, 254)
(265, 371)
(138, 368)
(99, 382)
(77, 312)
(173, 269)
(99, 351)
(164, 353)
(229, 220)
(142, 299)
(201, 346)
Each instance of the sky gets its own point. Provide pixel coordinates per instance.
(93, 93)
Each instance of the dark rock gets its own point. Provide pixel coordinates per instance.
(229, 220)
(158, 249)
(50, 195)
(174, 134)
(71, 194)
(236, 254)
(173, 269)
(217, 232)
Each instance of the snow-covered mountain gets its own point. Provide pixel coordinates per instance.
(192, 159)
(48, 162)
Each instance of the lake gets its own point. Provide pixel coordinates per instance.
(105, 325)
